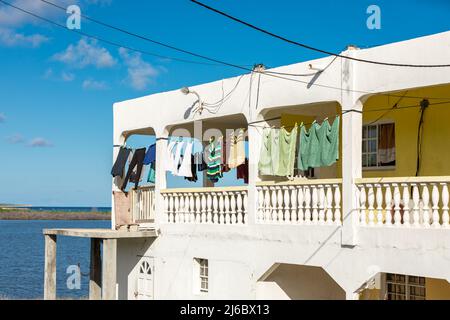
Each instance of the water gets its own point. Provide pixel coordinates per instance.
(22, 258)
(68, 209)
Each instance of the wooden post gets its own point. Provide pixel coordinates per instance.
(50, 267)
(95, 284)
(109, 269)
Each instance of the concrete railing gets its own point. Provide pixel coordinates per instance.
(143, 204)
(420, 202)
(227, 205)
(300, 202)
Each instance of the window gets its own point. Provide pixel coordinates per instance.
(404, 287)
(201, 275)
(378, 145)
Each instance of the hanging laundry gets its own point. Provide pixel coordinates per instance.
(121, 160)
(286, 155)
(214, 172)
(265, 157)
(184, 170)
(150, 156)
(236, 155)
(170, 156)
(242, 171)
(193, 177)
(386, 144)
(318, 147)
(200, 161)
(152, 172)
(136, 161)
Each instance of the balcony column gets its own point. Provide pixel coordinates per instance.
(160, 176)
(351, 151)
(254, 147)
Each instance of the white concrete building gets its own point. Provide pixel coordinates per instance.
(352, 230)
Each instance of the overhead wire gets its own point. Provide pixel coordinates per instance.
(343, 113)
(314, 48)
(264, 72)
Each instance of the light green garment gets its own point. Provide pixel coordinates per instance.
(275, 151)
(265, 157)
(287, 145)
(151, 173)
(318, 147)
(329, 141)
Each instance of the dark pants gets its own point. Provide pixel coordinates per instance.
(121, 160)
(137, 160)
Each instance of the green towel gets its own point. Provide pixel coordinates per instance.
(286, 158)
(318, 147)
(265, 157)
(151, 173)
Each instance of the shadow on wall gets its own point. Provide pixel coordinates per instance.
(298, 282)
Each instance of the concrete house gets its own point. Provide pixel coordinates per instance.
(358, 229)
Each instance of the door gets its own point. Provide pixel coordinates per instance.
(144, 287)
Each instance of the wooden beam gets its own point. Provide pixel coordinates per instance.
(50, 268)
(109, 269)
(95, 280)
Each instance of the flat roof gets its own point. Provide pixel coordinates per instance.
(102, 233)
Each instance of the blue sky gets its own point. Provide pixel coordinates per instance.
(57, 88)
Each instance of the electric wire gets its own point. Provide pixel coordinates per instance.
(314, 48)
(265, 72)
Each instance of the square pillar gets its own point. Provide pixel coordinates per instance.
(254, 149)
(109, 269)
(95, 280)
(50, 267)
(160, 176)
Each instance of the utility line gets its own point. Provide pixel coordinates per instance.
(347, 111)
(250, 70)
(314, 48)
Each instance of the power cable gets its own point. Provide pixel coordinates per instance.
(314, 48)
(271, 73)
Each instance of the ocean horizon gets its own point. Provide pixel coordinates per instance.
(64, 209)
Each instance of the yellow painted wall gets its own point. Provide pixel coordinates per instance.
(437, 289)
(436, 134)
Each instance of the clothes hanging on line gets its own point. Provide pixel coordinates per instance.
(277, 155)
(319, 146)
(200, 161)
(150, 155)
(193, 176)
(214, 172)
(137, 162)
(236, 154)
(184, 169)
(151, 172)
(121, 160)
(242, 171)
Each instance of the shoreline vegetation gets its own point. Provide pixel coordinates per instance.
(24, 214)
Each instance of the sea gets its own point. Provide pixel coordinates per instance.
(22, 257)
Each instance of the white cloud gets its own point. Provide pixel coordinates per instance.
(40, 143)
(67, 76)
(12, 17)
(11, 38)
(2, 117)
(140, 73)
(94, 85)
(15, 139)
(48, 73)
(85, 53)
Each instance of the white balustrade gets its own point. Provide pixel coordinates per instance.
(308, 203)
(409, 202)
(206, 206)
(143, 204)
